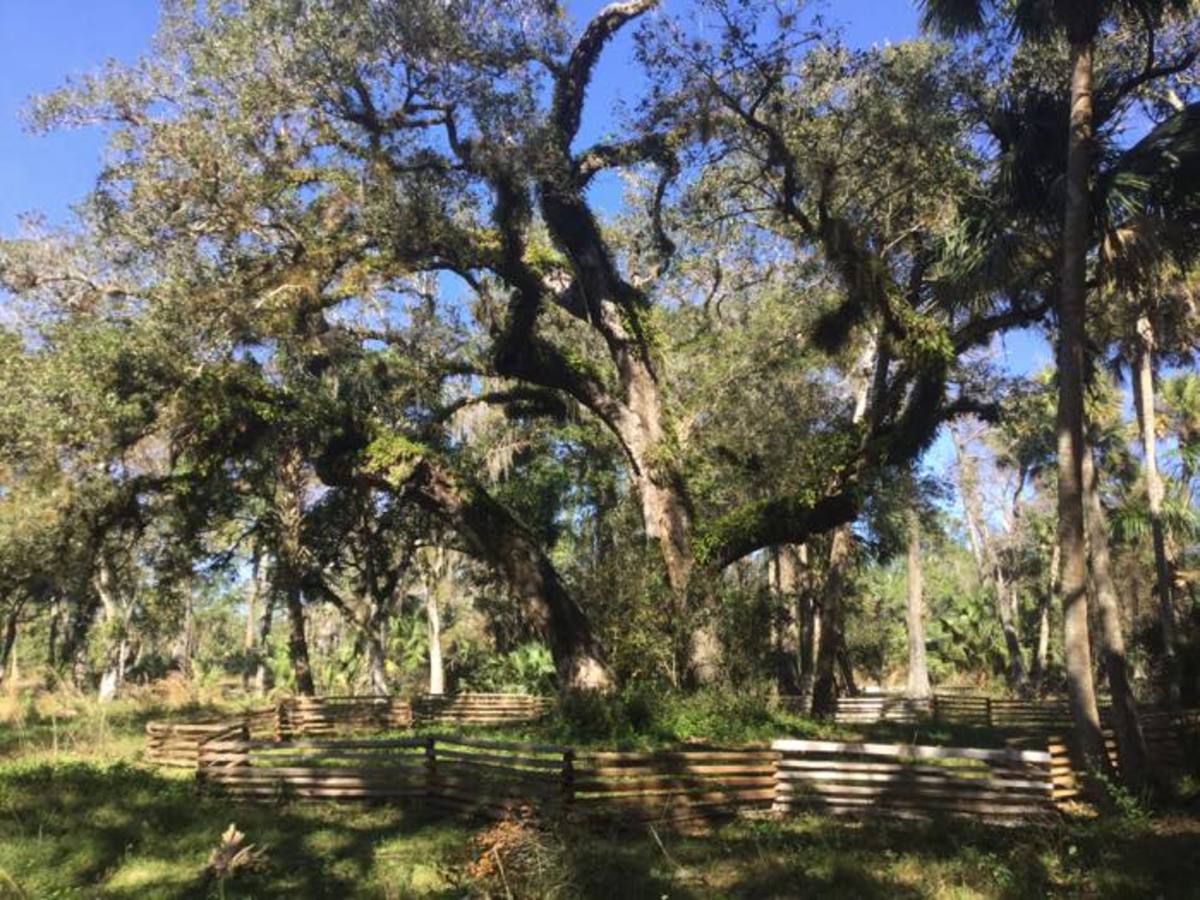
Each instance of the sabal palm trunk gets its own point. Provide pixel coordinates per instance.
(1144, 404)
(1131, 743)
(1071, 316)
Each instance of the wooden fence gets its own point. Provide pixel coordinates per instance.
(486, 777)
(496, 778)
(478, 709)
(674, 785)
(1172, 744)
(909, 781)
(178, 744)
(315, 769)
(323, 716)
(1047, 714)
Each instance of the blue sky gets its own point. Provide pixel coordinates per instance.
(43, 42)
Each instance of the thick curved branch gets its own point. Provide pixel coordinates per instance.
(572, 82)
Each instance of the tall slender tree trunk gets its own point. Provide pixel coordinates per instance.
(810, 633)
(186, 643)
(988, 562)
(377, 660)
(1144, 404)
(437, 670)
(1071, 350)
(918, 672)
(785, 583)
(8, 644)
(1131, 743)
(116, 615)
(264, 633)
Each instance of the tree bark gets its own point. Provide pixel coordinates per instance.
(1144, 404)
(1131, 743)
(116, 616)
(495, 536)
(918, 672)
(8, 644)
(264, 632)
(837, 582)
(786, 578)
(867, 380)
(377, 662)
(1071, 356)
(433, 617)
(289, 553)
(809, 612)
(249, 651)
(186, 643)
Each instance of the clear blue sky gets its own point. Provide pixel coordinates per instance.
(43, 42)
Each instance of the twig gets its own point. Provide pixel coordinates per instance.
(503, 878)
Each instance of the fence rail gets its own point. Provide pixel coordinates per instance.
(178, 744)
(910, 781)
(329, 715)
(479, 709)
(953, 708)
(674, 785)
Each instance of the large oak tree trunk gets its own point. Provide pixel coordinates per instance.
(289, 512)
(1144, 404)
(918, 672)
(1131, 743)
(1071, 350)
(837, 583)
(495, 536)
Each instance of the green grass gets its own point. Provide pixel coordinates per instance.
(80, 816)
(75, 829)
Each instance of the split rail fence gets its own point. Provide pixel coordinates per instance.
(497, 778)
(956, 709)
(177, 744)
(907, 781)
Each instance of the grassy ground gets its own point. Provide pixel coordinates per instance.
(81, 817)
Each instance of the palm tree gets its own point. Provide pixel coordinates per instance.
(1079, 22)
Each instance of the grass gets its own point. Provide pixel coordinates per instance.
(81, 817)
(77, 829)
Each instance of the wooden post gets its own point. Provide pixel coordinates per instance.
(988, 701)
(568, 780)
(430, 766)
(934, 705)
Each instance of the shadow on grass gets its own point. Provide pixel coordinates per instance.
(128, 832)
(122, 831)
